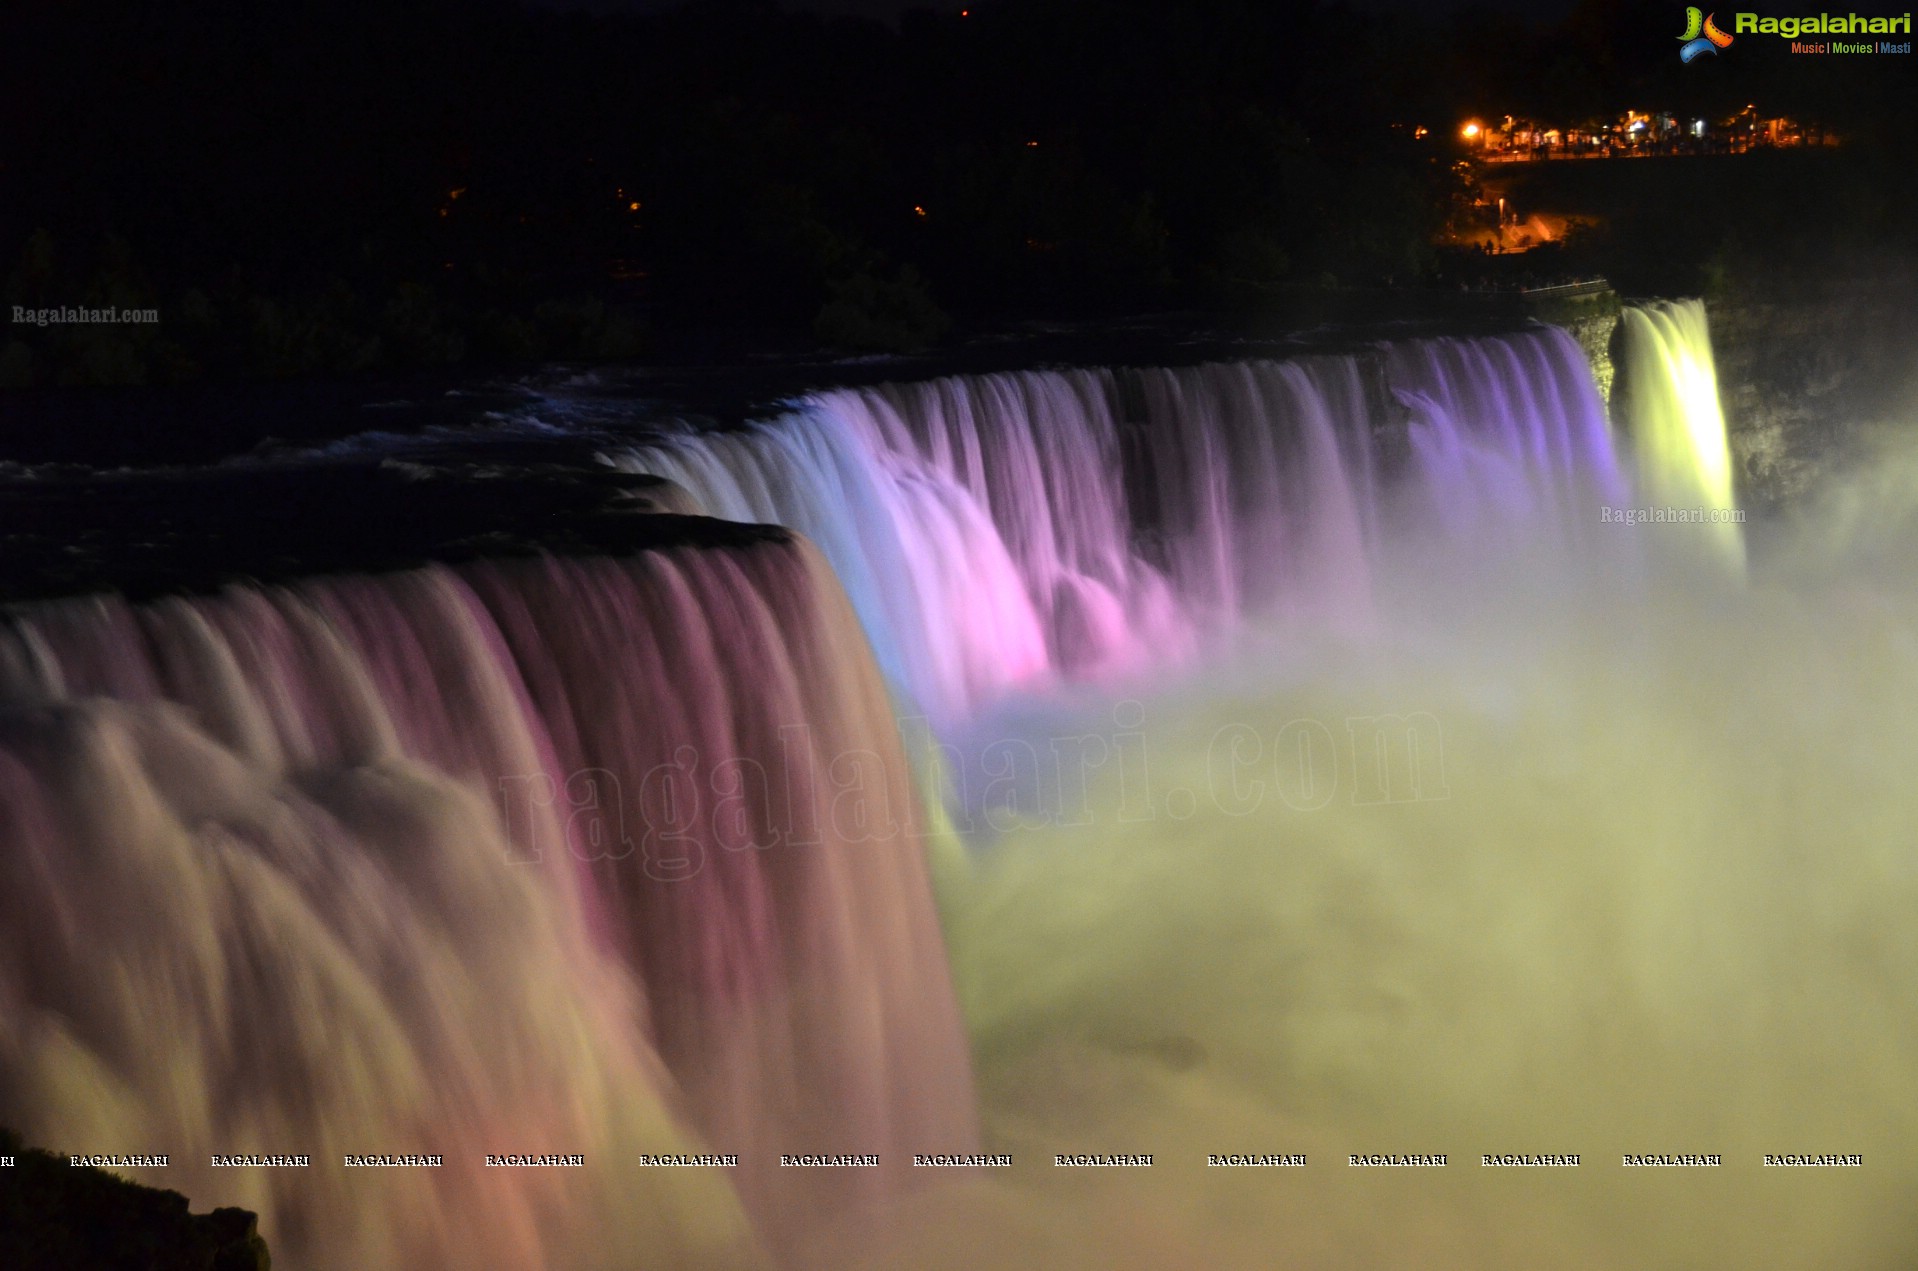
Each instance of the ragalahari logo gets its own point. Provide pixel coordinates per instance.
(1710, 41)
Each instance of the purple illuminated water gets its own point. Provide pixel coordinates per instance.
(1017, 529)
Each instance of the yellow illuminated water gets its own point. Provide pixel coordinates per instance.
(1667, 402)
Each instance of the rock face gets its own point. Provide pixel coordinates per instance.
(1593, 328)
(1802, 377)
(58, 1217)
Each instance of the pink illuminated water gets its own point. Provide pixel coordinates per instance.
(598, 856)
(1017, 529)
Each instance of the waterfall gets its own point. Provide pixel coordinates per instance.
(600, 856)
(623, 855)
(945, 609)
(1014, 529)
(1666, 398)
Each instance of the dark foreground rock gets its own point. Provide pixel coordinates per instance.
(59, 1217)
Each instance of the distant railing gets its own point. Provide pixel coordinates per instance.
(1567, 290)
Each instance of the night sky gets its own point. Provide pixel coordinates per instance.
(1542, 11)
(338, 186)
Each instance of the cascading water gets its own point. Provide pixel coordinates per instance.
(245, 921)
(1505, 431)
(1013, 529)
(1514, 851)
(773, 894)
(1666, 397)
(599, 857)
(946, 611)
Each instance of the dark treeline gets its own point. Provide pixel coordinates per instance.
(356, 184)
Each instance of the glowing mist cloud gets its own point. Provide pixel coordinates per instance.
(1660, 902)
(1634, 872)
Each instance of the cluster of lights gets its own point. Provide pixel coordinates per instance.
(1637, 127)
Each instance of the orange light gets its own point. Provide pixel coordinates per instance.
(445, 212)
(917, 210)
(1031, 143)
(1470, 131)
(633, 206)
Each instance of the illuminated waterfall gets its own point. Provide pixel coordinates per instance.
(1666, 398)
(605, 856)
(945, 609)
(1013, 529)
(1423, 829)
